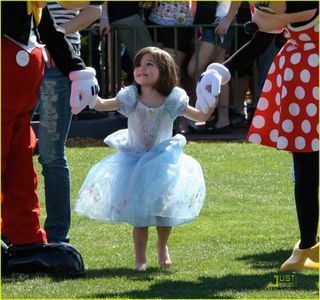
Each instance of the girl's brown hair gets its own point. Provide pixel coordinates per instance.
(168, 73)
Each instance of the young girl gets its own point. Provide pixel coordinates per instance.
(149, 181)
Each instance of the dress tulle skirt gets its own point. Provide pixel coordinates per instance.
(161, 187)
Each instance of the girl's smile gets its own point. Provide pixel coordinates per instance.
(146, 73)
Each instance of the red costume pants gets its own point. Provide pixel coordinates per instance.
(20, 87)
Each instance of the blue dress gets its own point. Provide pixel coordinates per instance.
(149, 181)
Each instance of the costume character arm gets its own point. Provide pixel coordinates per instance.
(249, 52)
(60, 49)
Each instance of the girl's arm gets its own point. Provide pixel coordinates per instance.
(197, 115)
(106, 104)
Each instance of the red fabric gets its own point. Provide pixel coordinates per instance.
(287, 115)
(20, 205)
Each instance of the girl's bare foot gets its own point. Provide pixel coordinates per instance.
(140, 239)
(141, 266)
(141, 261)
(164, 256)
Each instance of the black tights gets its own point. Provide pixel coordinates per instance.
(306, 173)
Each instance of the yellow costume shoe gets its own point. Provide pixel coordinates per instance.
(312, 261)
(302, 259)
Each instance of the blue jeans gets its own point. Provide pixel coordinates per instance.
(54, 124)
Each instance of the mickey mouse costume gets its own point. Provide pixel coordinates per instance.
(26, 26)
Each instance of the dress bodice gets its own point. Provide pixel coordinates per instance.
(305, 37)
(148, 127)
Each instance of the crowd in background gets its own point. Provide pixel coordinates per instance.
(178, 27)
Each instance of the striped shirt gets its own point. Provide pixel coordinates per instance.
(62, 15)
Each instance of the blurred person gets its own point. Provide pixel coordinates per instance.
(54, 123)
(213, 48)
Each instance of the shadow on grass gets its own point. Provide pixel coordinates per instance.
(125, 272)
(205, 286)
(266, 260)
(212, 287)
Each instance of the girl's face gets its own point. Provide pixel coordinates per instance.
(146, 74)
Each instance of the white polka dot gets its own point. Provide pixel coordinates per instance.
(255, 138)
(315, 93)
(272, 68)
(282, 142)
(306, 126)
(276, 117)
(279, 80)
(299, 92)
(300, 143)
(278, 99)
(267, 86)
(288, 74)
(258, 121)
(294, 109)
(316, 28)
(295, 58)
(318, 128)
(311, 110)
(313, 60)
(291, 48)
(286, 33)
(304, 37)
(282, 60)
(308, 46)
(287, 125)
(274, 135)
(305, 76)
(315, 145)
(263, 103)
(284, 92)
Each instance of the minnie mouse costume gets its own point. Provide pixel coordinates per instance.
(287, 116)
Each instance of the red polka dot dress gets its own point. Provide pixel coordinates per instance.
(287, 115)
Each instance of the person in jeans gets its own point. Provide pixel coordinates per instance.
(54, 123)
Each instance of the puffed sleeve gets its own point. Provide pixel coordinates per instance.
(176, 102)
(127, 98)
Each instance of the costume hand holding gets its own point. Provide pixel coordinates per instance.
(209, 86)
(84, 89)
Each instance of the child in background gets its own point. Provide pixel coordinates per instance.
(149, 181)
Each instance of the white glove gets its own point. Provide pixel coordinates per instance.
(209, 85)
(84, 89)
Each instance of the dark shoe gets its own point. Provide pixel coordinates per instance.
(59, 260)
(216, 130)
(4, 258)
(181, 126)
(197, 128)
(237, 120)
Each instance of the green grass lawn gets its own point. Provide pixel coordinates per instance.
(245, 230)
